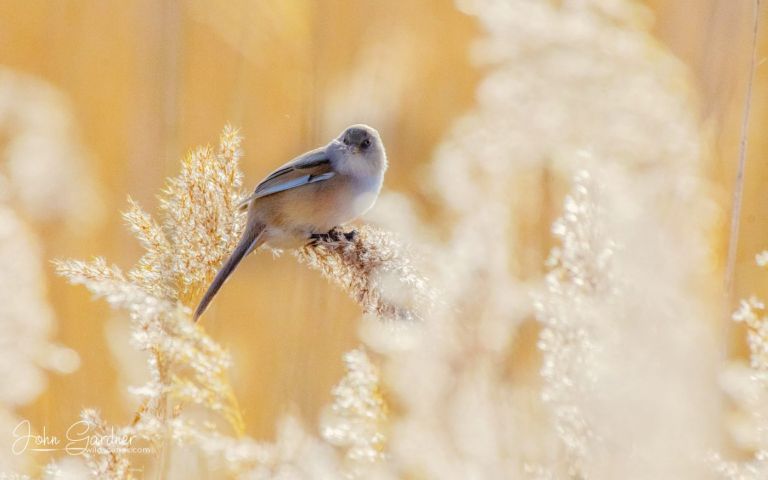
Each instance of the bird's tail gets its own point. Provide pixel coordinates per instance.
(250, 240)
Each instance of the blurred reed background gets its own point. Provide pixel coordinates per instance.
(142, 82)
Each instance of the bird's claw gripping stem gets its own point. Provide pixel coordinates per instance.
(334, 235)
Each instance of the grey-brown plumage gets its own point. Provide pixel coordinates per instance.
(311, 194)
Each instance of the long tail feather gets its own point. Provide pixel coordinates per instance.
(247, 244)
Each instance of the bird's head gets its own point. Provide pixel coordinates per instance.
(363, 148)
(360, 138)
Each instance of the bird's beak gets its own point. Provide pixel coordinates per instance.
(354, 149)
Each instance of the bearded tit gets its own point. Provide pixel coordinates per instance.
(308, 197)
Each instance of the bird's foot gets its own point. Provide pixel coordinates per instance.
(335, 234)
(316, 238)
(328, 237)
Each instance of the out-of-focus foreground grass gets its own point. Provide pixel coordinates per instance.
(146, 81)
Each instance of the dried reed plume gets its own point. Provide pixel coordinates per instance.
(374, 271)
(199, 227)
(110, 464)
(358, 416)
(748, 387)
(578, 286)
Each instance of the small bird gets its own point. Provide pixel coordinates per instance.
(309, 197)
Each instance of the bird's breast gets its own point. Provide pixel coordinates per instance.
(346, 199)
(365, 191)
(317, 207)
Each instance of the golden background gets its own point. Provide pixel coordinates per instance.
(149, 80)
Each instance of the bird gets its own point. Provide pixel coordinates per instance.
(309, 198)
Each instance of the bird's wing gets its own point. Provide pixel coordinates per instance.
(312, 167)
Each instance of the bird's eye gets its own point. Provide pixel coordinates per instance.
(366, 143)
(345, 141)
